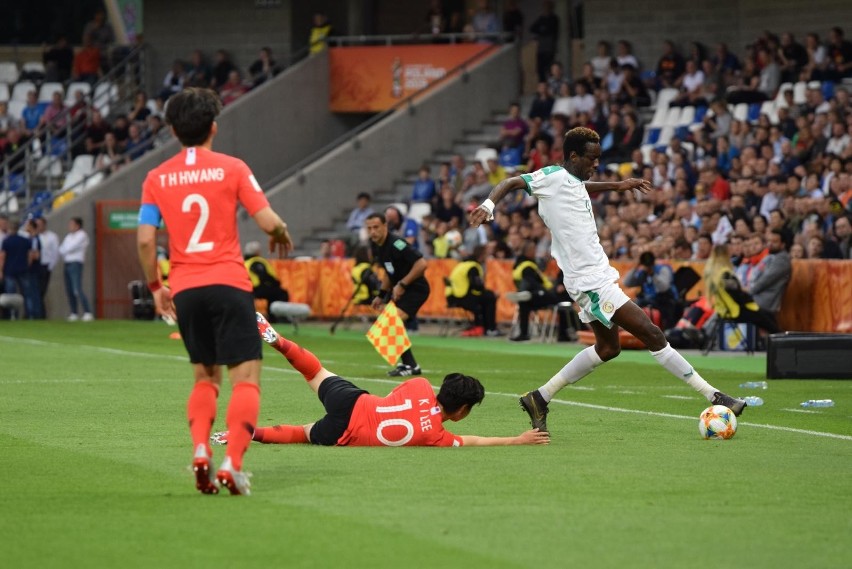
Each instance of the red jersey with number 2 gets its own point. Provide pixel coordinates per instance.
(408, 416)
(197, 193)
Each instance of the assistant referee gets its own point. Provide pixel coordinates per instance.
(402, 282)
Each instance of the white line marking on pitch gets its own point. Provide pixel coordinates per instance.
(681, 397)
(390, 381)
(802, 411)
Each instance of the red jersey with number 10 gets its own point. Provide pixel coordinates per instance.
(408, 416)
(197, 193)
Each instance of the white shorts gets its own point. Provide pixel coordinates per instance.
(599, 304)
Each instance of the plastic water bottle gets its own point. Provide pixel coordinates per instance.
(753, 401)
(818, 403)
(754, 385)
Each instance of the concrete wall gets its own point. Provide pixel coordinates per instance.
(174, 29)
(646, 23)
(399, 143)
(268, 134)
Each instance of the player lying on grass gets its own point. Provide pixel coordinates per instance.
(411, 415)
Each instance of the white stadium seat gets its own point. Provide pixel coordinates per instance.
(45, 93)
(800, 91)
(73, 88)
(20, 90)
(741, 112)
(8, 72)
(83, 164)
(483, 154)
(5, 95)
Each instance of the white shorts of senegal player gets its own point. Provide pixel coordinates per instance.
(599, 304)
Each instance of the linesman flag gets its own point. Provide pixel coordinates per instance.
(388, 336)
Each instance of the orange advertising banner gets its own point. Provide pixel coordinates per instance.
(375, 78)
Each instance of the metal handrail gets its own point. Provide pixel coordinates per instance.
(136, 55)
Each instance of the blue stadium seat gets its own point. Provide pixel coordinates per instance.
(16, 184)
(699, 114)
(827, 90)
(653, 135)
(753, 112)
(682, 132)
(40, 204)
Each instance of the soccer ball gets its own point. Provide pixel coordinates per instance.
(454, 238)
(717, 422)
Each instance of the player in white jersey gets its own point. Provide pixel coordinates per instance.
(565, 207)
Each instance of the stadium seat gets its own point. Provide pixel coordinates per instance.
(418, 211)
(768, 109)
(483, 154)
(8, 72)
(741, 112)
(93, 180)
(105, 92)
(652, 135)
(16, 108)
(4, 93)
(73, 181)
(666, 134)
(687, 116)
(73, 88)
(63, 199)
(45, 93)
(20, 90)
(49, 166)
(754, 112)
(33, 67)
(800, 90)
(827, 90)
(83, 164)
(40, 204)
(700, 113)
(673, 117)
(664, 98)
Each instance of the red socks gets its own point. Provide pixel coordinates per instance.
(201, 412)
(241, 420)
(304, 361)
(280, 435)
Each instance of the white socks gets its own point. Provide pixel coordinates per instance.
(670, 359)
(579, 367)
(583, 363)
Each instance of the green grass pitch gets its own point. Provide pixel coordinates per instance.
(95, 452)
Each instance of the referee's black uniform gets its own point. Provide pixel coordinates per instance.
(397, 257)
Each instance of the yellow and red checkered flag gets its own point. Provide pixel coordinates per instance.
(388, 336)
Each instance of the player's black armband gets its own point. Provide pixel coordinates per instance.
(385, 296)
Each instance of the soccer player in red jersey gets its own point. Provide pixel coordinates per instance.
(196, 194)
(411, 415)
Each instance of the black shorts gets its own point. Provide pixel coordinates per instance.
(338, 396)
(412, 300)
(218, 325)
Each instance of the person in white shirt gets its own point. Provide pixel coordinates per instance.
(49, 253)
(566, 208)
(73, 252)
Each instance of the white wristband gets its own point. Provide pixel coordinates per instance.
(489, 205)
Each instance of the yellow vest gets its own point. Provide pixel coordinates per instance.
(723, 303)
(318, 36)
(518, 274)
(459, 283)
(255, 280)
(363, 291)
(164, 267)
